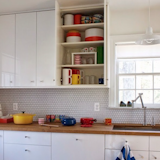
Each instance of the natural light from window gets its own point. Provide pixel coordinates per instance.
(138, 71)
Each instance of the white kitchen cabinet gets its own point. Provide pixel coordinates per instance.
(138, 155)
(154, 140)
(26, 49)
(46, 61)
(27, 145)
(26, 152)
(135, 142)
(1, 145)
(68, 146)
(7, 50)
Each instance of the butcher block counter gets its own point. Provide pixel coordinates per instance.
(97, 128)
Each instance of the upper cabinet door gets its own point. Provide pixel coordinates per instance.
(46, 62)
(7, 50)
(26, 49)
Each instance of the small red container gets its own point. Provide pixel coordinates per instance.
(48, 118)
(6, 120)
(77, 18)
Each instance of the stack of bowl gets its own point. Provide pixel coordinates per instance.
(73, 36)
(94, 34)
(77, 59)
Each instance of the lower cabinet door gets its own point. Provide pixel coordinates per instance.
(154, 155)
(67, 146)
(1, 145)
(138, 155)
(26, 152)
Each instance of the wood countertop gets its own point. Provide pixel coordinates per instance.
(95, 129)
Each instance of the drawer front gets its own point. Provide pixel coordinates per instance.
(154, 143)
(138, 155)
(26, 152)
(68, 146)
(154, 155)
(1, 145)
(37, 138)
(135, 142)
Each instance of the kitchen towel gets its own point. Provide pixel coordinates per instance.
(125, 153)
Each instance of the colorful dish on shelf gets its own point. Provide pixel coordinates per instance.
(86, 19)
(97, 18)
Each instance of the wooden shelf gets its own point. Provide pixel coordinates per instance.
(84, 66)
(82, 27)
(82, 44)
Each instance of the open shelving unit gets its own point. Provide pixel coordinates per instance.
(62, 46)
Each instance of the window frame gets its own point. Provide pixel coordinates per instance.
(113, 93)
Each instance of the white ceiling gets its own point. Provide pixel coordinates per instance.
(11, 6)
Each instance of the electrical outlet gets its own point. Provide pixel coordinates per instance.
(15, 106)
(96, 106)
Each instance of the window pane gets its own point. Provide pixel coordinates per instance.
(143, 66)
(157, 81)
(157, 96)
(147, 96)
(143, 82)
(126, 82)
(156, 66)
(126, 96)
(127, 67)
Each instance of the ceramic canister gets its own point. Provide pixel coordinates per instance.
(67, 76)
(68, 19)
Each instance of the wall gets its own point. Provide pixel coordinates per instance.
(72, 102)
(133, 22)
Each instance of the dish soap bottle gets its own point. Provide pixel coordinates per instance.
(1, 114)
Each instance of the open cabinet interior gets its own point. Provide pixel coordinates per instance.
(86, 59)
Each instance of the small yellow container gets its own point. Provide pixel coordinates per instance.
(76, 78)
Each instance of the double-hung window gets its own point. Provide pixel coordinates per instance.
(137, 71)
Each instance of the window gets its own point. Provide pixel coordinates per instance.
(138, 71)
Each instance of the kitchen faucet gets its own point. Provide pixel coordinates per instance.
(140, 96)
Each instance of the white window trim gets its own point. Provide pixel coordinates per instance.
(130, 39)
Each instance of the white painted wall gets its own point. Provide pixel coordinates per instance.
(133, 22)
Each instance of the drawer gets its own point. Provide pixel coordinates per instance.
(135, 142)
(26, 152)
(36, 138)
(154, 155)
(154, 143)
(138, 155)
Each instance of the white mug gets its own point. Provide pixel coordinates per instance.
(68, 19)
(85, 49)
(92, 49)
(67, 77)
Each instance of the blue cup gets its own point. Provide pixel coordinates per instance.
(101, 81)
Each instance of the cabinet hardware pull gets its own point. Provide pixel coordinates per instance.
(32, 81)
(53, 79)
(26, 137)
(76, 139)
(10, 81)
(142, 157)
(155, 157)
(41, 81)
(26, 150)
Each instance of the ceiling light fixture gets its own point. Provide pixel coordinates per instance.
(149, 38)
